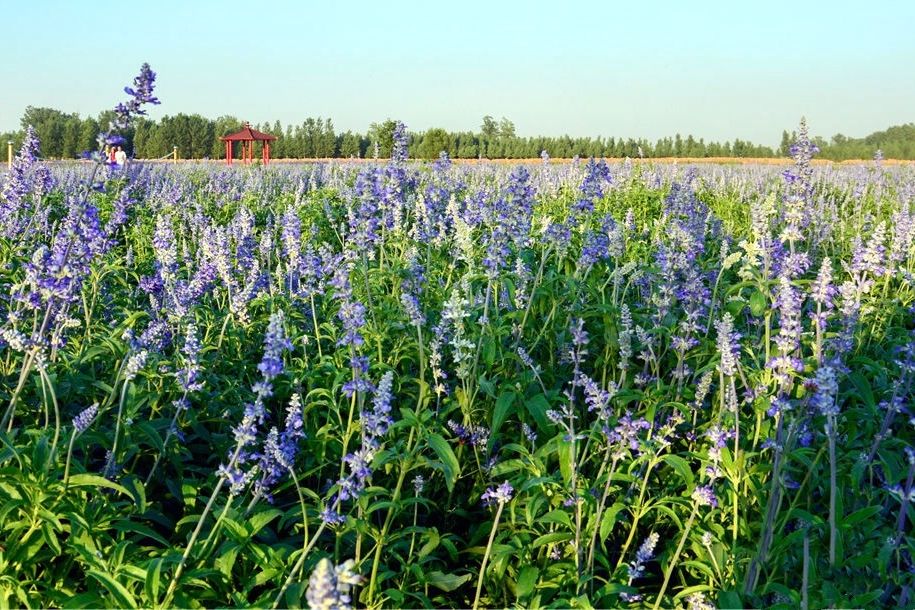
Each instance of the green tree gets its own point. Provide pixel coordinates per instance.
(489, 127)
(88, 134)
(349, 145)
(326, 140)
(506, 128)
(433, 142)
(223, 126)
(382, 134)
(50, 127)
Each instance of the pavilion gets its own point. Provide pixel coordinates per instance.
(248, 136)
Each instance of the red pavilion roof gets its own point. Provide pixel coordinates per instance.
(248, 134)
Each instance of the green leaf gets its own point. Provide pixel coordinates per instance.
(125, 525)
(430, 545)
(564, 450)
(527, 580)
(730, 600)
(226, 560)
(866, 599)
(446, 582)
(503, 408)
(93, 480)
(450, 466)
(551, 539)
(860, 515)
(257, 522)
(608, 520)
(50, 537)
(758, 303)
(120, 593)
(537, 406)
(864, 391)
(489, 352)
(153, 579)
(681, 466)
(137, 491)
(557, 516)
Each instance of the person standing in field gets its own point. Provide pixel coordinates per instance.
(120, 157)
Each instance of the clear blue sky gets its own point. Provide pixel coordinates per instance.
(718, 70)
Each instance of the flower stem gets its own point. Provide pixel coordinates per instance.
(492, 537)
(673, 560)
(833, 529)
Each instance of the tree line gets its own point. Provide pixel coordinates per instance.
(67, 135)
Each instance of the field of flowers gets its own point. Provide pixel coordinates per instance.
(403, 385)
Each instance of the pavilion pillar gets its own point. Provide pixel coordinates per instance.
(228, 152)
(266, 153)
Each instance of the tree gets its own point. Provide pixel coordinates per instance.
(434, 141)
(223, 126)
(144, 130)
(349, 145)
(467, 146)
(326, 145)
(506, 128)
(88, 135)
(50, 127)
(784, 148)
(70, 146)
(277, 147)
(383, 135)
(489, 128)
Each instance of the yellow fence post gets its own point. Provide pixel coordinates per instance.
(175, 154)
(9, 154)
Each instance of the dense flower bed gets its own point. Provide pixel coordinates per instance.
(399, 385)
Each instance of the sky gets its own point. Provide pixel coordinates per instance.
(716, 69)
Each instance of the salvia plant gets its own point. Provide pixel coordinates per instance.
(593, 384)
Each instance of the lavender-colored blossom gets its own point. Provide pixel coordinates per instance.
(499, 495)
(82, 421)
(140, 94)
(822, 292)
(351, 312)
(824, 398)
(595, 247)
(788, 339)
(330, 588)
(27, 181)
(473, 435)
(728, 345)
(188, 375)
(375, 424)
(275, 343)
(579, 334)
(400, 143)
(359, 463)
(526, 358)
(625, 435)
(596, 397)
(643, 555)
(592, 187)
(412, 308)
(704, 495)
(255, 413)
